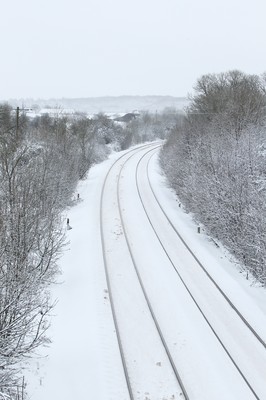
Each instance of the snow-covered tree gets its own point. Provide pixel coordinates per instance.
(216, 163)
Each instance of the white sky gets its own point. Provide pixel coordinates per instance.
(86, 48)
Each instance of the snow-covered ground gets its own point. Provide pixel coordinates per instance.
(83, 361)
(110, 104)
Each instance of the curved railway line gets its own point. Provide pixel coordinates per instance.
(203, 268)
(153, 148)
(177, 375)
(110, 290)
(240, 315)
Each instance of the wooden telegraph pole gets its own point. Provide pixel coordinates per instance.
(17, 122)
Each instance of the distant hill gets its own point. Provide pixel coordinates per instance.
(112, 104)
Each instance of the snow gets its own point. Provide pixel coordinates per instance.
(110, 104)
(83, 360)
(247, 295)
(82, 349)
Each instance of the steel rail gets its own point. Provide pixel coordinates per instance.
(186, 286)
(107, 275)
(240, 315)
(176, 373)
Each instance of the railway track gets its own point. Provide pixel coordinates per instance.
(240, 315)
(225, 297)
(131, 392)
(121, 163)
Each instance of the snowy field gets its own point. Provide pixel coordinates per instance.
(84, 362)
(110, 104)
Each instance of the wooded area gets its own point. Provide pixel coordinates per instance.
(41, 161)
(215, 161)
(214, 158)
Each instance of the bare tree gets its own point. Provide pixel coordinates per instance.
(216, 163)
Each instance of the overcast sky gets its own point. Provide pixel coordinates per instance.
(87, 48)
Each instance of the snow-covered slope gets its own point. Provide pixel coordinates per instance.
(84, 360)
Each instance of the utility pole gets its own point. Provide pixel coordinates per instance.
(17, 122)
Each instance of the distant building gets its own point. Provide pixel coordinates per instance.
(126, 118)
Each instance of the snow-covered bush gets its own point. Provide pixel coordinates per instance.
(41, 162)
(216, 163)
(150, 126)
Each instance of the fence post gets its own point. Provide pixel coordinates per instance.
(22, 392)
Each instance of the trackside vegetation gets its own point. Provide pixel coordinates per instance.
(215, 161)
(42, 158)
